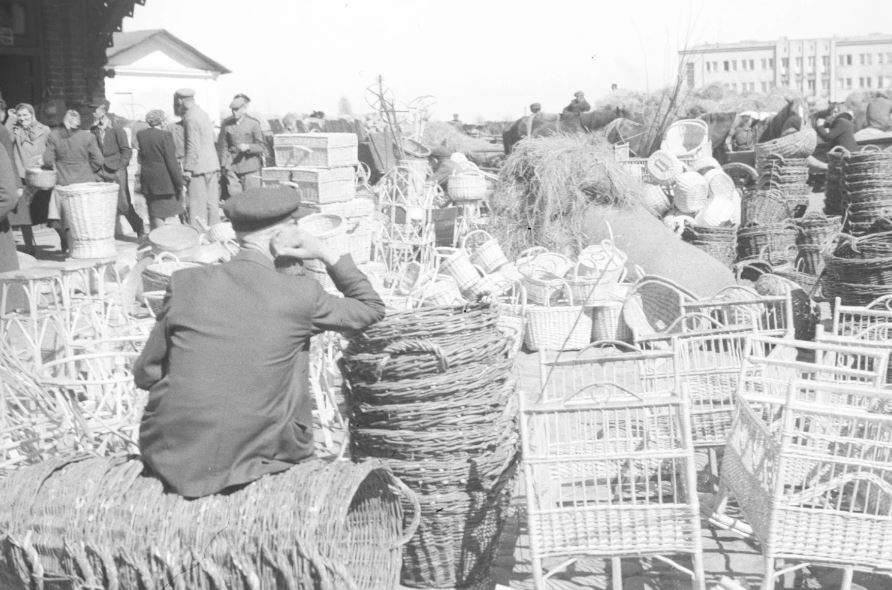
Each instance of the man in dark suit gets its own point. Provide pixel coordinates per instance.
(226, 364)
(116, 153)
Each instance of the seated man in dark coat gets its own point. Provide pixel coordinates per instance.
(578, 104)
(840, 130)
(226, 364)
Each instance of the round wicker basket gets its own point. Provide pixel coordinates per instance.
(180, 240)
(40, 179)
(664, 167)
(90, 208)
(466, 186)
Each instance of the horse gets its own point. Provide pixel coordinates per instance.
(547, 124)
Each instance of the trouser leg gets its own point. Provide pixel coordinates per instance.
(233, 183)
(250, 180)
(198, 201)
(213, 197)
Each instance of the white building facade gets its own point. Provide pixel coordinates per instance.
(151, 65)
(827, 68)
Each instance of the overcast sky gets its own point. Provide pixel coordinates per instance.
(479, 58)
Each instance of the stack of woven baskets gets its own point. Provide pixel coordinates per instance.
(431, 392)
(866, 190)
(833, 186)
(787, 175)
(858, 269)
(719, 242)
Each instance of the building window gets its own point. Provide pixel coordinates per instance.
(764, 87)
(825, 84)
(743, 64)
(841, 83)
(811, 62)
(708, 67)
(752, 64)
(785, 62)
(879, 58)
(868, 82)
(799, 63)
(842, 60)
(771, 62)
(849, 59)
(727, 66)
(848, 83)
(879, 81)
(825, 61)
(690, 68)
(811, 84)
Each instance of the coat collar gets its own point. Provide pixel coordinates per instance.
(247, 255)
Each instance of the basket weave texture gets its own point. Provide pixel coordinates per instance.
(318, 525)
(431, 393)
(800, 144)
(90, 208)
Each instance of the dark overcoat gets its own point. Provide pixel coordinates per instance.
(8, 199)
(159, 171)
(75, 154)
(226, 366)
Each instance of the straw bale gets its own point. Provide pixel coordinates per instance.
(445, 135)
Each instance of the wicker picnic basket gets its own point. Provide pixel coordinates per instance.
(800, 144)
(775, 243)
(319, 525)
(91, 209)
(485, 252)
(561, 326)
(542, 274)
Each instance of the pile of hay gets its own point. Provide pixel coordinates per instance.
(546, 185)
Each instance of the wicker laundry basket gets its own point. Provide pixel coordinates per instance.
(91, 209)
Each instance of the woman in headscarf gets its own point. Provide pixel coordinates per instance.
(76, 157)
(29, 143)
(159, 175)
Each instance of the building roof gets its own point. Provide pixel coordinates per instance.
(122, 43)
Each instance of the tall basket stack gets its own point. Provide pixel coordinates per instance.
(431, 393)
(322, 168)
(789, 176)
(816, 232)
(867, 190)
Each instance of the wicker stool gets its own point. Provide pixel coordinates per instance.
(29, 329)
(86, 295)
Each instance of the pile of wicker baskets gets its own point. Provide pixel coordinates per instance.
(866, 190)
(858, 269)
(718, 242)
(787, 175)
(431, 392)
(816, 232)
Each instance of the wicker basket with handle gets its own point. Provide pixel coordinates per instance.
(558, 327)
(40, 179)
(800, 144)
(487, 254)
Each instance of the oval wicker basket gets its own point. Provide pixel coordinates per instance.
(466, 186)
(180, 240)
(691, 192)
(800, 144)
(330, 230)
(40, 179)
(91, 210)
(655, 200)
(156, 276)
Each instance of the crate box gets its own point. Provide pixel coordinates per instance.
(272, 175)
(328, 150)
(325, 185)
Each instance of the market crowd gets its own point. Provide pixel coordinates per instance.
(183, 165)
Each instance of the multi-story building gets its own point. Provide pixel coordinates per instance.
(827, 68)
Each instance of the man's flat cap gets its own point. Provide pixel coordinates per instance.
(258, 208)
(100, 102)
(237, 102)
(185, 92)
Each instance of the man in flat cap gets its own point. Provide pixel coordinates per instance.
(578, 104)
(240, 147)
(226, 363)
(201, 166)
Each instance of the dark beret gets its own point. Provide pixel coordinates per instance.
(102, 102)
(258, 208)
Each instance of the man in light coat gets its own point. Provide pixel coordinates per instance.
(201, 165)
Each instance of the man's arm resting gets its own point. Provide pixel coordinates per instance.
(360, 307)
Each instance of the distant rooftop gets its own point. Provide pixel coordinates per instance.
(124, 42)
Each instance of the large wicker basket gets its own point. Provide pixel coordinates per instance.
(90, 208)
(795, 145)
(466, 186)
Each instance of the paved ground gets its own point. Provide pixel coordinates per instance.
(725, 553)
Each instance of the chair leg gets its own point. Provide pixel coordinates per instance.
(616, 567)
(769, 576)
(699, 581)
(847, 575)
(538, 574)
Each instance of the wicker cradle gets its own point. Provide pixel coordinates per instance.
(317, 525)
(91, 209)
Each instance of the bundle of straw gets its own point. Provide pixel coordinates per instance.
(545, 186)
